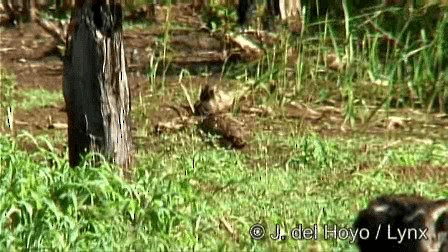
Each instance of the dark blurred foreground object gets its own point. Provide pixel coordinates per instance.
(246, 11)
(404, 224)
(96, 89)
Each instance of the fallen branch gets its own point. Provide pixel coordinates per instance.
(7, 49)
(257, 111)
(264, 37)
(175, 125)
(199, 57)
(298, 110)
(58, 33)
(21, 123)
(58, 126)
(250, 48)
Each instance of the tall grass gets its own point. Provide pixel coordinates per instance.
(180, 196)
(7, 102)
(391, 51)
(47, 205)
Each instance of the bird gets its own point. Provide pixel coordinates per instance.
(223, 124)
(212, 100)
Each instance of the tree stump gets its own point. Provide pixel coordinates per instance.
(96, 90)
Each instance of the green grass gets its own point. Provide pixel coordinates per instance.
(184, 187)
(413, 68)
(180, 192)
(39, 98)
(7, 102)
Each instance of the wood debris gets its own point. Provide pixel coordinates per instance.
(250, 49)
(58, 125)
(55, 125)
(298, 110)
(199, 57)
(21, 123)
(329, 109)
(261, 111)
(57, 31)
(7, 49)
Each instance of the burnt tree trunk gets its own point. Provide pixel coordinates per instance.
(96, 90)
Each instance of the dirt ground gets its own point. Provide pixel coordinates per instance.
(32, 56)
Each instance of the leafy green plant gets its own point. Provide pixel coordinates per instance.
(405, 60)
(180, 196)
(39, 98)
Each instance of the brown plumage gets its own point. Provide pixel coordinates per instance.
(214, 105)
(412, 214)
(228, 127)
(213, 101)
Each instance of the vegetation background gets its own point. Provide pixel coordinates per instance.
(351, 106)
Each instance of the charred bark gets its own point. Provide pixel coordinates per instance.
(96, 90)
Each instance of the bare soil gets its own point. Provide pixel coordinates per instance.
(32, 56)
